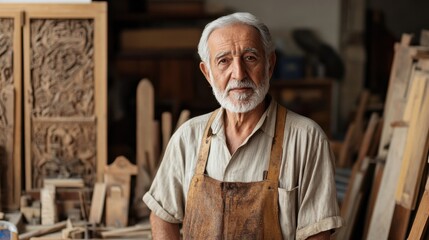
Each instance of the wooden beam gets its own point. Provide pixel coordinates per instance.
(97, 203)
(166, 122)
(184, 116)
(396, 92)
(145, 137)
(40, 232)
(64, 182)
(384, 207)
(421, 220)
(416, 145)
(400, 222)
(49, 209)
(123, 231)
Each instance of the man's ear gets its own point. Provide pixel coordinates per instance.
(272, 61)
(205, 70)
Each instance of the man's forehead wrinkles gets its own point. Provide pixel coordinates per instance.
(222, 53)
(235, 52)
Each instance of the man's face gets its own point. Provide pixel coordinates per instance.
(239, 71)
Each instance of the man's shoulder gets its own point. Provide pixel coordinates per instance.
(195, 124)
(298, 122)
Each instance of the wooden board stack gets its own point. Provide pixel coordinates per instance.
(401, 163)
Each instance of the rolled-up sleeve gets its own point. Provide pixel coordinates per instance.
(165, 197)
(318, 208)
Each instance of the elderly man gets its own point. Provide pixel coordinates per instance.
(251, 169)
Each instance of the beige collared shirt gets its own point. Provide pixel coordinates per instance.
(307, 194)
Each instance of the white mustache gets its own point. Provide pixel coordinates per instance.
(246, 83)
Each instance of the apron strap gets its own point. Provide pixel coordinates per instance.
(276, 148)
(277, 145)
(205, 145)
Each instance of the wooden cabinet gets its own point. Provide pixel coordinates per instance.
(309, 97)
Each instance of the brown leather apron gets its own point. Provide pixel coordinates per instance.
(235, 210)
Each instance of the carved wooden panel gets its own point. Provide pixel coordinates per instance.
(10, 109)
(65, 92)
(62, 87)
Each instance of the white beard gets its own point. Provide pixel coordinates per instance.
(241, 102)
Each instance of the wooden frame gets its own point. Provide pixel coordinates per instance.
(95, 119)
(10, 201)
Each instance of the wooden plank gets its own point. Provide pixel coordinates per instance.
(344, 159)
(65, 183)
(40, 232)
(416, 145)
(166, 121)
(97, 203)
(116, 207)
(145, 157)
(360, 115)
(156, 140)
(360, 173)
(375, 188)
(123, 231)
(396, 93)
(381, 218)
(400, 222)
(354, 133)
(145, 118)
(49, 209)
(368, 138)
(357, 178)
(352, 199)
(184, 116)
(421, 220)
(378, 174)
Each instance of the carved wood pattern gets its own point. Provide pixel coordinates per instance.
(62, 99)
(62, 67)
(64, 150)
(7, 121)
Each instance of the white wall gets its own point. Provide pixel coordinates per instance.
(281, 16)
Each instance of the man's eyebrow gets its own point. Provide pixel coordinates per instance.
(251, 50)
(246, 50)
(222, 54)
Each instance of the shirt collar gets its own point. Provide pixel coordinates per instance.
(266, 123)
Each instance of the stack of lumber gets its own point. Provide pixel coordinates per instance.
(65, 209)
(387, 191)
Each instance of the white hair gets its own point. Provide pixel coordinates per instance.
(240, 17)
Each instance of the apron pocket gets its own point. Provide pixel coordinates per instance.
(287, 211)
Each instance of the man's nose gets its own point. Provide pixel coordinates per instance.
(238, 70)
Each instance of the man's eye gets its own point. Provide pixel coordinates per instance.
(223, 61)
(250, 58)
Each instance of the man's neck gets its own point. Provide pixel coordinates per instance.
(238, 126)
